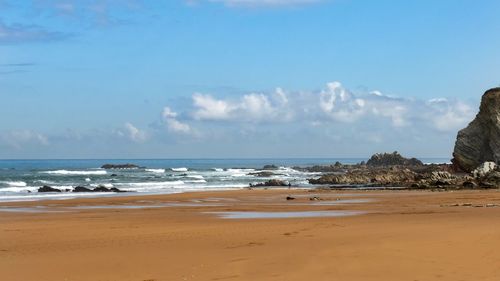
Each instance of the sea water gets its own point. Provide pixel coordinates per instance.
(20, 179)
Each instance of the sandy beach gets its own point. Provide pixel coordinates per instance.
(404, 235)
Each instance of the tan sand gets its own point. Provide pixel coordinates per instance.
(407, 235)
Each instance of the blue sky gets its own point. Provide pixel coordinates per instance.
(241, 78)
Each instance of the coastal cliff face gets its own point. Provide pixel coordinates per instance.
(480, 141)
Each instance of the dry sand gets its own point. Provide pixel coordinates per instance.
(406, 235)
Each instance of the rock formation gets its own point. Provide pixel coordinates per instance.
(373, 177)
(273, 182)
(47, 188)
(392, 159)
(119, 166)
(480, 141)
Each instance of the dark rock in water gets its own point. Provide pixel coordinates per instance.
(101, 189)
(114, 189)
(113, 175)
(480, 141)
(273, 182)
(392, 159)
(270, 167)
(119, 166)
(47, 188)
(321, 169)
(82, 189)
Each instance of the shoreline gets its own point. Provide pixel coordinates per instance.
(402, 235)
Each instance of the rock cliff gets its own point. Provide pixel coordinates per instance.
(480, 141)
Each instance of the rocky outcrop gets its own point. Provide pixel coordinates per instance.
(47, 188)
(375, 177)
(479, 142)
(81, 189)
(484, 169)
(119, 166)
(97, 189)
(392, 159)
(270, 167)
(273, 182)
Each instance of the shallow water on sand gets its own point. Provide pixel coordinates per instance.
(281, 215)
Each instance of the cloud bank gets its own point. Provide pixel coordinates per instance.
(333, 105)
(333, 120)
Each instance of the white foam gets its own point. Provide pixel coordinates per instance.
(196, 181)
(44, 182)
(14, 183)
(66, 172)
(88, 180)
(200, 177)
(218, 169)
(182, 169)
(159, 171)
(18, 189)
(107, 185)
(150, 184)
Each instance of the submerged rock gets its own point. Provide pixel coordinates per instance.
(270, 167)
(81, 189)
(273, 182)
(392, 159)
(47, 188)
(479, 142)
(119, 166)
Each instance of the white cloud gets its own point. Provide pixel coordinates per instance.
(134, 134)
(208, 108)
(249, 108)
(177, 126)
(449, 115)
(168, 113)
(340, 104)
(334, 104)
(18, 138)
(174, 125)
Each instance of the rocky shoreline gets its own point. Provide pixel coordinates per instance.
(474, 165)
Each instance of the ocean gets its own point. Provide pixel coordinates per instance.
(20, 179)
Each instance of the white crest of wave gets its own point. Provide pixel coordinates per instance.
(106, 185)
(158, 171)
(14, 183)
(196, 181)
(66, 172)
(199, 177)
(150, 184)
(182, 169)
(44, 182)
(19, 189)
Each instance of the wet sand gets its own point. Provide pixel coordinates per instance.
(392, 235)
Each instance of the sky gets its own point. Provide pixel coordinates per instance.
(242, 78)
